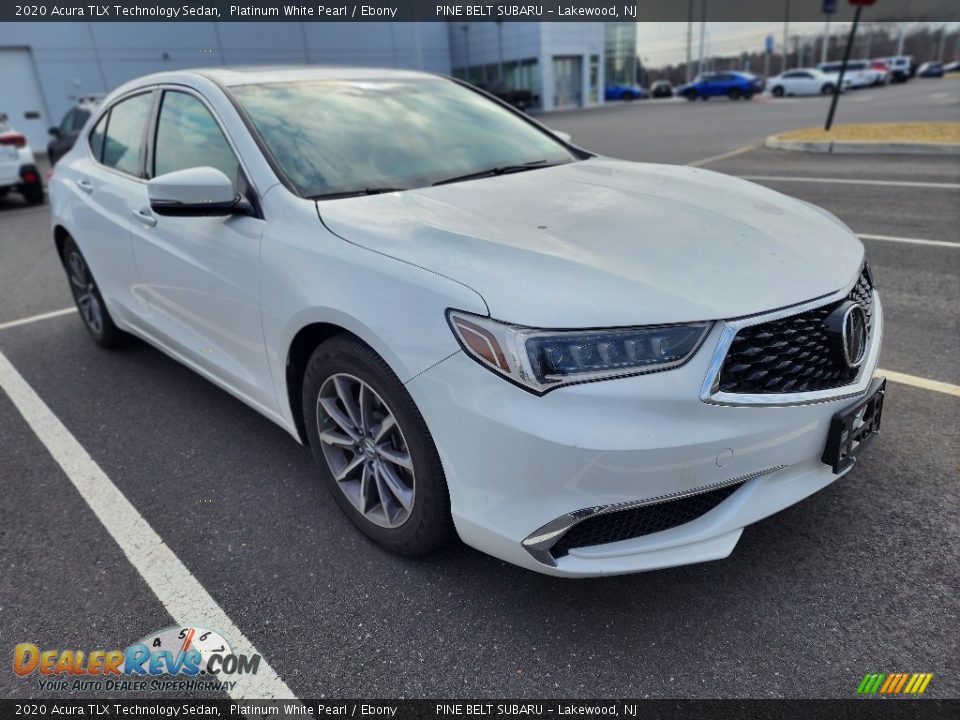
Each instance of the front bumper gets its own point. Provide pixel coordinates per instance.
(516, 463)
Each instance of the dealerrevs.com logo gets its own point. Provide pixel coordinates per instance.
(175, 659)
(894, 683)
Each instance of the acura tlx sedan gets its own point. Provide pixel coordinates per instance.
(579, 365)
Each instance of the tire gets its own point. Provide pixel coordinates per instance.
(777, 91)
(827, 89)
(748, 95)
(626, 96)
(345, 366)
(690, 95)
(734, 93)
(33, 194)
(90, 305)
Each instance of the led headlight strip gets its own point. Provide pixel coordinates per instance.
(541, 360)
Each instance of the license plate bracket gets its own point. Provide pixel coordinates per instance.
(853, 429)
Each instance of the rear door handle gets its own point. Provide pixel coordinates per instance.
(85, 186)
(143, 216)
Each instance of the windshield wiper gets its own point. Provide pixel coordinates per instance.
(357, 193)
(501, 170)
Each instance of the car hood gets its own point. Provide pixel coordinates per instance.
(603, 243)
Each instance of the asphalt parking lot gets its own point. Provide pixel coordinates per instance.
(861, 577)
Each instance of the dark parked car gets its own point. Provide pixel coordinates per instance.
(661, 89)
(734, 85)
(624, 92)
(931, 70)
(952, 67)
(65, 134)
(520, 98)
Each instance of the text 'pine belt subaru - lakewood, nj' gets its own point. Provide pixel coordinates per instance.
(580, 365)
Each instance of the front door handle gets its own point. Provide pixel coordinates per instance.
(85, 186)
(143, 216)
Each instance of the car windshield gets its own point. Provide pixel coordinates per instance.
(333, 137)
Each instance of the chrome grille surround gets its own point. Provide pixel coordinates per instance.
(710, 391)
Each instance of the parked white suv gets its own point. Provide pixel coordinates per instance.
(582, 365)
(901, 67)
(18, 170)
(858, 72)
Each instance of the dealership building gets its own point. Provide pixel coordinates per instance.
(46, 66)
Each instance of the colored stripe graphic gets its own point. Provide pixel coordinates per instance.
(894, 683)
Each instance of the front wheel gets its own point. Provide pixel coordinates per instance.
(90, 305)
(827, 89)
(373, 448)
(734, 93)
(777, 92)
(690, 95)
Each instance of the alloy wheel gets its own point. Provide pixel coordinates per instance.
(85, 292)
(365, 450)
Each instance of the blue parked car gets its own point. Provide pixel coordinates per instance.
(625, 92)
(734, 85)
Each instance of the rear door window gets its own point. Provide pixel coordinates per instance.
(96, 137)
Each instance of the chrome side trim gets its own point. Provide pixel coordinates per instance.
(540, 542)
(710, 390)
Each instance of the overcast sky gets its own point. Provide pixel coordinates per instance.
(666, 43)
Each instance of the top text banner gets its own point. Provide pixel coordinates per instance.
(424, 10)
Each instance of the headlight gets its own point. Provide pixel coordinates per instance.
(540, 360)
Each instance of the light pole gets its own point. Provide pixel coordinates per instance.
(689, 35)
(703, 25)
(786, 30)
(500, 51)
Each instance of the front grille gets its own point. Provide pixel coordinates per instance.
(637, 522)
(793, 354)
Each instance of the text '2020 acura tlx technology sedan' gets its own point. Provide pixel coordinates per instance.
(580, 365)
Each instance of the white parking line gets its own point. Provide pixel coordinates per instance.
(852, 181)
(714, 158)
(919, 382)
(35, 318)
(910, 241)
(174, 585)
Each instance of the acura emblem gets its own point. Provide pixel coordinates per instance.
(849, 321)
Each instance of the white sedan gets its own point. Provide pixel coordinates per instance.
(579, 365)
(804, 81)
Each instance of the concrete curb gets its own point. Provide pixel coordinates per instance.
(851, 147)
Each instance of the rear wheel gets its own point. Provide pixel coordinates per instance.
(90, 305)
(33, 193)
(734, 93)
(374, 450)
(626, 96)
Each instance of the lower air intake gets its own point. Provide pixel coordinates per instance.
(639, 521)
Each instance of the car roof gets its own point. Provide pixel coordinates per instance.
(254, 74)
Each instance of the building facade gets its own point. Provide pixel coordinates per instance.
(45, 66)
(561, 63)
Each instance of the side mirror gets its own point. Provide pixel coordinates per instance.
(199, 191)
(562, 135)
(54, 130)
